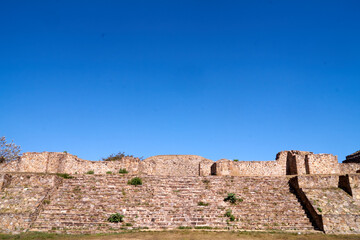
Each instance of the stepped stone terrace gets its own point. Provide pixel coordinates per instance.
(298, 191)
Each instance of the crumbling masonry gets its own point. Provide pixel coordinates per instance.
(299, 191)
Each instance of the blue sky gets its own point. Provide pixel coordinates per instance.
(220, 79)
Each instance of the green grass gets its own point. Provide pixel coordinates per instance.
(64, 175)
(185, 227)
(203, 227)
(203, 204)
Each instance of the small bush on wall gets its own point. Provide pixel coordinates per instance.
(119, 156)
(229, 215)
(231, 197)
(135, 181)
(116, 218)
(90, 172)
(123, 171)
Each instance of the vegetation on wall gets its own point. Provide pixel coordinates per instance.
(135, 181)
(119, 156)
(116, 218)
(64, 175)
(8, 151)
(123, 171)
(229, 214)
(232, 198)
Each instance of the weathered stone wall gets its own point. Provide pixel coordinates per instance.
(323, 164)
(176, 165)
(205, 168)
(83, 204)
(302, 163)
(339, 212)
(349, 168)
(286, 163)
(324, 181)
(354, 181)
(46, 202)
(296, 163)
(21, 199)
(225, 167)
(54, 162)
(353, 158)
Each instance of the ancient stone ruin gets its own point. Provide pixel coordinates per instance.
(299, 191)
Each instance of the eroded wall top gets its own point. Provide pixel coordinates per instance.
(286, 163)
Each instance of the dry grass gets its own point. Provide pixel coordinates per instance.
(183, 235)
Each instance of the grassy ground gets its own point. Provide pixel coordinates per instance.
(183, 235)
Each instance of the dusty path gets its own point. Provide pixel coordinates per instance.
(185, 235)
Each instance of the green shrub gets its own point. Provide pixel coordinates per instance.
(64, 175)
(90, 172)
(228, 214)
(135, 181)
(115, 218)
(203, 227)
(231, 197)
(128, 224)
(119, 156)
(236, 160)
(320, 210)
(185, 227)
(46, 201)
(116, 157)
(203, 204)
(123, 171)
(109, 172)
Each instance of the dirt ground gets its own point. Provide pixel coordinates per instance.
(183, 235)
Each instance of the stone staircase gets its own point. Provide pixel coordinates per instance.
(20, 200)
(340, 212)
(84, 203)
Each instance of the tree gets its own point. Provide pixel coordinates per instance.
(8, 151)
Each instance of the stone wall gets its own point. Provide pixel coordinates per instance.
(286, 163)
(323, 164)
(324, 181)
(353, 158)
(337, 209)
(55, 162)
(354, 181)
(84, 203)
(348, 168)
(46, 202)
(176, 165)
(296, 164)
(302, 163)
(227, 167)
(21, 199)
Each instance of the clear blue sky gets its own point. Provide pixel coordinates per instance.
(221, 79)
